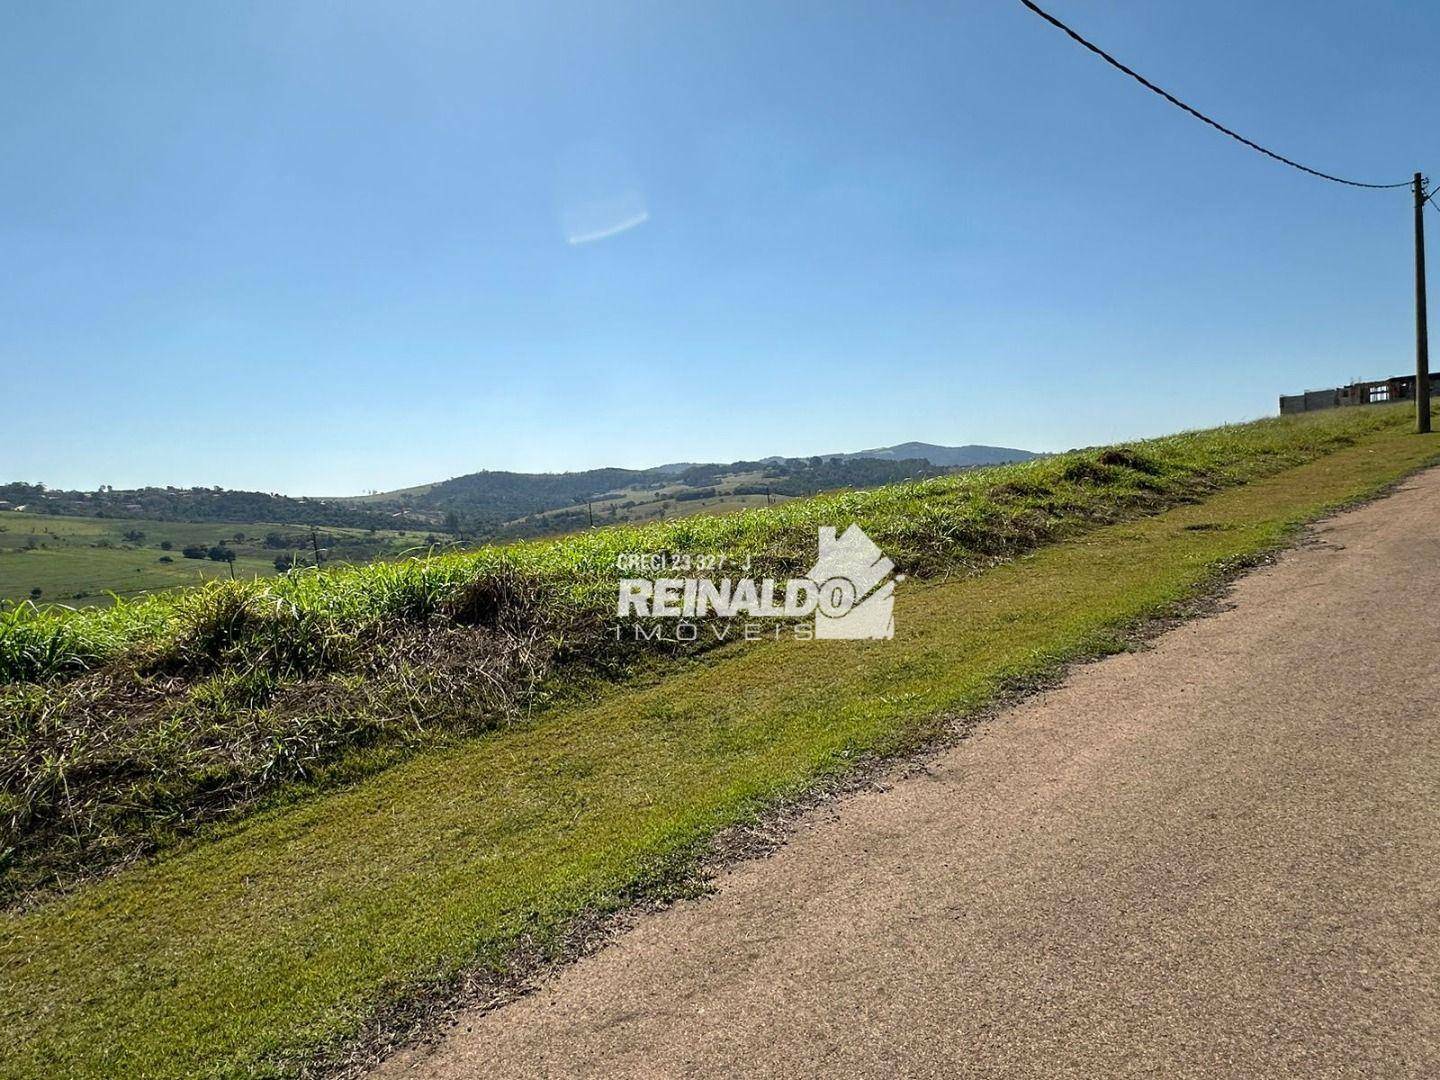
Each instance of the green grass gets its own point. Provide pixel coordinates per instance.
(244, 954)
(923, 526)
(127, 728)
(80, 561)
(78, 576)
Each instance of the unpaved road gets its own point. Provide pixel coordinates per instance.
(1216, 857)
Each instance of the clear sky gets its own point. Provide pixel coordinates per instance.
(324, 248)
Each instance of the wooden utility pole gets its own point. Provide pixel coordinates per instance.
(315, 543)
(1422, 335)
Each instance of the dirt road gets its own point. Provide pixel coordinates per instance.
(1216, 857)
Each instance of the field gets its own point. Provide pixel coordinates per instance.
(80, 561)
(268, 939)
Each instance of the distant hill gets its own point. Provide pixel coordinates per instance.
(490, 498)
(967, 457)
(195, 505)
(493, 504)
(501, 504)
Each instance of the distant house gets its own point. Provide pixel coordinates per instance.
(1399, 388)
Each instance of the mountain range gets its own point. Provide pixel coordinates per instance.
(497, 504)
(966, 457)
(509, 503)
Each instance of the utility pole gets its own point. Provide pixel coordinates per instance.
(1422, 335)
(315, 543)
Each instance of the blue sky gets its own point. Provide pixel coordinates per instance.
(324, 248)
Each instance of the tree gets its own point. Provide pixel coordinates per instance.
(36, 593)
(135, 536)
(284, 563)
(166, 545)
(221, 553)
(195, 551)
(165, 558)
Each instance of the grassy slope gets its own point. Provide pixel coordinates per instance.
(926, 526)
(126, 728)
(238, 954)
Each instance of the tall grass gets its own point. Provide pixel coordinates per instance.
(123, 726)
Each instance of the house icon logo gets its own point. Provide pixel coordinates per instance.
(856, 595)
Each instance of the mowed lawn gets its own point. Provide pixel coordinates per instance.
(244, 954)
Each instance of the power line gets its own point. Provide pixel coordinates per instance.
(1196, 112)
